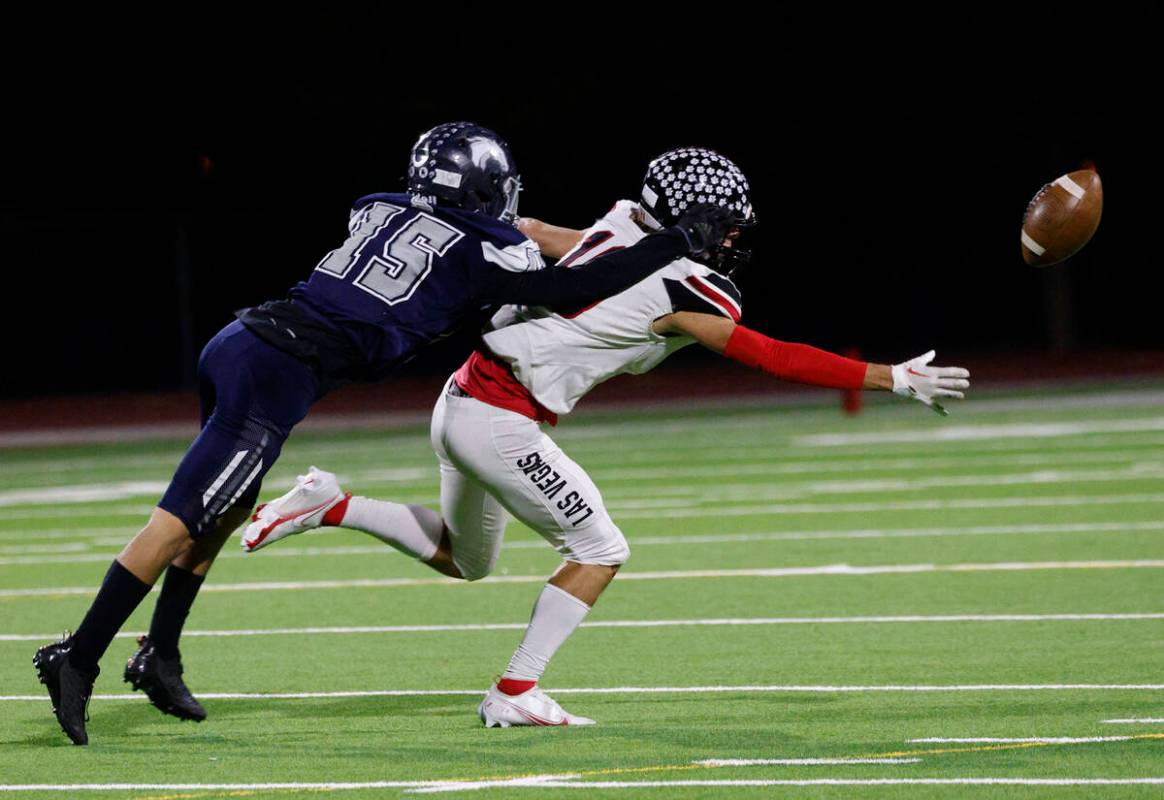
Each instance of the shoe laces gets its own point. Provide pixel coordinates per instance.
(536, 693)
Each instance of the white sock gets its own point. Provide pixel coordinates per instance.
(555, 616)
(414, 530)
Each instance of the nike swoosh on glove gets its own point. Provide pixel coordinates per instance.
(917, 379)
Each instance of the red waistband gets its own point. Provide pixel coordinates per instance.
(489, 379)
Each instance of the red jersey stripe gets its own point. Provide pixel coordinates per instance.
(716, 296)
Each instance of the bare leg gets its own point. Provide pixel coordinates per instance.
(184, 580)
(442, 560)
(584, 581)
(127, 583)
(163, 539)
(199, 557)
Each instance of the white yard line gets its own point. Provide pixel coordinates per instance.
(83, 534)
(703, 435)
(566, 781)
(679, 502)
(873, 507)
(15, 698)
(693, 539)
(730, 490)
(638, 541)
(849, 465)
(39, 550)
(980, 454)
(698, 437)
(684, 450)
(354, 630)
(673, 784)
(750, 419)
(210, 787)
(97, 512)
(84, 493)
(963, 433)
(91, 464)
(418, 477)
(1143, 721)
(1025, 740)
(770, 572)
(641, 497)
(143, 511)
(881, 533)
(494, 783)
(798, 762)
(619, 690)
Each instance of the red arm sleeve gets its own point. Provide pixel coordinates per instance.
(794, 362)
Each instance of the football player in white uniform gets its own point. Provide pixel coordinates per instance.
(495, 459)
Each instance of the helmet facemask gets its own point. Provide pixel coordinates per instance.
(510, 190)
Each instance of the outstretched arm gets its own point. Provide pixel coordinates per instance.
(701, 228)
(803, 363)
(555, 242)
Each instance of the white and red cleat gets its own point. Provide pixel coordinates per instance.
(532, 707)
(301, 509)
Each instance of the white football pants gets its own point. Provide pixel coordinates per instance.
(493, 460)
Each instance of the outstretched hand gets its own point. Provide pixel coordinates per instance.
(917, 379)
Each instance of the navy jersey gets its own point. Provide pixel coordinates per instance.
(410, 273)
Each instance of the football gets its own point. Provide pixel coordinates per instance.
(1061, 218)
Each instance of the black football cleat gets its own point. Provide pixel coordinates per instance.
(69, 688)
(161, 680)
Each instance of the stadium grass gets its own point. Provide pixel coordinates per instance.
(698, 490)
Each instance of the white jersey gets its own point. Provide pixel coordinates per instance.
(559, 357)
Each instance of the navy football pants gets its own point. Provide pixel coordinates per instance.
(252, 396)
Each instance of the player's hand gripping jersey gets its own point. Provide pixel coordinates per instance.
(410, 273)
(551, 360)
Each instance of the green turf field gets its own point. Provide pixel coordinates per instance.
(840, 588)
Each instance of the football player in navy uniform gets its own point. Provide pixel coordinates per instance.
(415, 266)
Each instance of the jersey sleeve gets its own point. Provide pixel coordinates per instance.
(521, 257)
(560, 286)
(705, 294)
(609, 232)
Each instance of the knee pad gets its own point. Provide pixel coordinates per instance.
(473, 569)
(602, 544)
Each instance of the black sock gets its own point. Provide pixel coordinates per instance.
(121, 592)
(178, 592)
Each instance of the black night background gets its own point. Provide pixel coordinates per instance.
(161, 173)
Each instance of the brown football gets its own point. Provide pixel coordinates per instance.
(1061, 218)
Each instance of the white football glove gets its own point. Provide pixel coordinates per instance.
(916, 379)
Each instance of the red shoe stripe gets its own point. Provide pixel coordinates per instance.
(267, 530)
(534, 718)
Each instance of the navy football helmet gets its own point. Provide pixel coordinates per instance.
(466, 166)
(689, 175)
